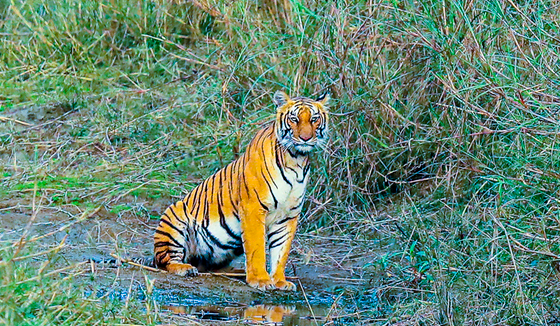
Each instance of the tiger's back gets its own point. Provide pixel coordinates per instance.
(252, 201)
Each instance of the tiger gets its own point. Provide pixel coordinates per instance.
(252, 203)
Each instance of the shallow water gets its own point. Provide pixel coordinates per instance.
(242, 306)
(286, 315)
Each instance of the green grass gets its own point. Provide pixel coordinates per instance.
(444, 150)
(51, 296)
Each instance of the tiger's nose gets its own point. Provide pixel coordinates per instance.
(305, 137)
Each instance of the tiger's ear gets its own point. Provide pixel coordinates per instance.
(280, 98)
(324, 98)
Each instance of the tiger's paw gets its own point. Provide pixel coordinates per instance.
(285, 285)
(261, 284)
(182, 269)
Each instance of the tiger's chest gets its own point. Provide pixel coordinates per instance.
(288, 194)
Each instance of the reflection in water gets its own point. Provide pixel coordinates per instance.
(266, 313)
(283, 315)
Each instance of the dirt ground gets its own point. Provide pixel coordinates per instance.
(331, 287)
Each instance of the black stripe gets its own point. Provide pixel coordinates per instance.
(223, 218)
(230, 183)
(270, 235)
(262, 139)
(195, 199)
(233, 205)
(289, 168)
(172, 226)
(254, 143)
(297, 175)
(159, 257)
(260, 202)
(245, 184)
(282, 124)
(276, 243)
(295, 153)
(259, 136)
(207, 200)
(241, 173)
(188, 197)
(158, 231)
(223, 223)
(248, 153)
(220, 184)
(286, 129)
(185, 211)
(195, 215)
(165, 244)
(306, 169)
(206, 214)
(321, 131)
(218, 243)
(198, 199)
(207, 243)
(269, 174)
(176, 217)
(213, 182)
(270, 189)
(297, 206)
(240, 167)
(280, 168)
(286, 219)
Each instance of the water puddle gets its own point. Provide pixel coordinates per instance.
(239, 305)
(261, 313)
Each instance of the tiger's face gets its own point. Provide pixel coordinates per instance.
(301, 122)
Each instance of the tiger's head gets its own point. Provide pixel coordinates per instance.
(301, 122)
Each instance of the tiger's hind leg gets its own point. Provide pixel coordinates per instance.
(171, 243)
(181, 269)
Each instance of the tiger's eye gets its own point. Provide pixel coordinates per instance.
(294, 119)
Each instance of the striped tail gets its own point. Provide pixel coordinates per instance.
(114, 262)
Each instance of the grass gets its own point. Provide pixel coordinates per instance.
(38, 292)
(444, 151)
(32, 297)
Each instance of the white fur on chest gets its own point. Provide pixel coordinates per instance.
(289, 197)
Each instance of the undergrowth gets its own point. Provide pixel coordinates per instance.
(53, 296)
(444, 127)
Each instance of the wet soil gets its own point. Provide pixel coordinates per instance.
(332, 287)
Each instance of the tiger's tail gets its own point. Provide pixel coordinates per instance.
(117, 261)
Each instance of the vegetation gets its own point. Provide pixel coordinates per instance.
(48, 297)
(444, 149)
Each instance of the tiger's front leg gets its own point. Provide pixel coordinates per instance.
(280, 241)
(253, 235)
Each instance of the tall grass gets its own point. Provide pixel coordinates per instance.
(445, 125)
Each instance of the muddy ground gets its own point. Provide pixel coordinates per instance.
(332, 287)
